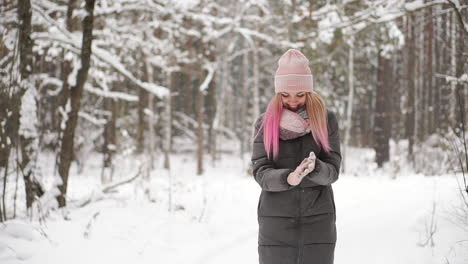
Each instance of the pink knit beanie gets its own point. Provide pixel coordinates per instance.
(293, 73)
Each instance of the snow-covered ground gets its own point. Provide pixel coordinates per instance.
(379, 219)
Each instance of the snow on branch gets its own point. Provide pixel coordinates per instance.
(379, 12)
(130, 6)
(227, 131)
(112, 186)
(211, 70)
(53, 24)
(458, 10)
(98, 195)
(269, 39)
(187, 132)
(462, 79)
(51, 7)
(107, 58)
(46, 80)
(92, 119)
(114, 62)
(188, 120)
(242, 52)
(111, 94)
(67, 40)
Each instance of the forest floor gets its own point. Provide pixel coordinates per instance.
(379, 219)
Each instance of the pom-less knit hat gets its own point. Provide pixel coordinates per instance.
(293, 73)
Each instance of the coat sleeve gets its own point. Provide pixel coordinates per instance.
(327, 166)
(267, 176)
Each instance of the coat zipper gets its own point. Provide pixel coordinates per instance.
(299, 223)
(300, 248)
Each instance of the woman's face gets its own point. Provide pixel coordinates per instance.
(293, 101)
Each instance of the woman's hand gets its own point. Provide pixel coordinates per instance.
(306, 166)
(312, 158)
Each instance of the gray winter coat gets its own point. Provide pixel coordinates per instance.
(297, 223)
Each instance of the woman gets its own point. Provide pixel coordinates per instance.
(296, 157)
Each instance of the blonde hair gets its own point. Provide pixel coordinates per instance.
(316, 111)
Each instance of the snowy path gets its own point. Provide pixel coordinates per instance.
(379, 220)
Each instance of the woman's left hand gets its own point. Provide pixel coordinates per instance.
(306, 166)
(311, 164)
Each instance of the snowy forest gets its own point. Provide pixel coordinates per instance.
(126, 126)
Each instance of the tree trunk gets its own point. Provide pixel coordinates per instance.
(365, 119)
(168, 126)
(453, 71)
(110, 143)
(289, 18)
(444, 62)
(66, 150)
(200, 137)
(220, 109)
(349, 111)
(210, 110)
(437, 68)
(461, 48)
(66, 69)
(27, 129)
(8, 130)
(151, 119)
(410, 77)
(421, 108)
(429, 72)
(396, 102)
(168, 136)
(244, 97)
(382, 122)
(142, 102)
(255, 92)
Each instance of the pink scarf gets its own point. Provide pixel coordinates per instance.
(294, 124)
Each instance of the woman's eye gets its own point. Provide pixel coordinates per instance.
(285, 95)
(300, 95)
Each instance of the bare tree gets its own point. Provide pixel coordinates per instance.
(110, 139)
(410, 70)
(382, 120)
(199, 102)
(349, 110)
(28, 139)
(67, 140)
(142, 103)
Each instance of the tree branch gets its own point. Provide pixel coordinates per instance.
(459, 15)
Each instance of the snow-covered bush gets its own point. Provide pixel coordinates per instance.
(436, 155)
